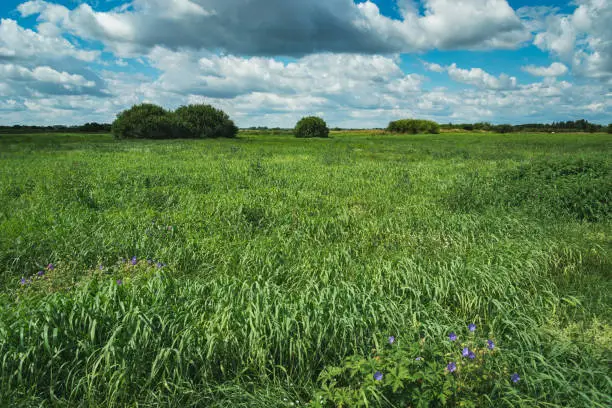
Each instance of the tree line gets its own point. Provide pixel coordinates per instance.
(569, 126)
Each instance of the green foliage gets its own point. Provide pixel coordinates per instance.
(286, 257)
(311, 126)
(424, 373)
(577, 188)
(610, 128)
(205, 121)
(147, 121)
(413, 126)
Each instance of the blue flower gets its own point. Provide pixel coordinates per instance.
(472, 327)
(160, 265)
(465, 352)
(471, 355)
(134, 260)
(101, 267)
(515, 378)
(391, 339)
(23, 281)
(451, 367)
(50, 267)
(41, 273)
(490, 345)
(452, 336)
(378, 376)
(418, 358)
(119, 282)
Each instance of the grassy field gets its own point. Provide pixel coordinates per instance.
(284, 256)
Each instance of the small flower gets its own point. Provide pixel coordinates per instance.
(50, 267)
(101, 267)
(418, 359)
(452, 336)
(472, 327)
(41, 273)
(160, 265)
(465, 352)
(119, 282)
(515, 378)
(451, 367)
(490, 344)
(391, 340)
(23, 281)
(471, 355)
(134, 260)
(378, 376)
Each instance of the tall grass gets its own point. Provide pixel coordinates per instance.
(286, 255)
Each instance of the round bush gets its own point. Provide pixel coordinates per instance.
(204, 121)
(139, 121)
(311, 126)
(413, 126)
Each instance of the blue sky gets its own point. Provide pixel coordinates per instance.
(269, 62)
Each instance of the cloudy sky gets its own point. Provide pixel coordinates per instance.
(357, 63)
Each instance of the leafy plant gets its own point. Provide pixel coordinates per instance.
(449, 372)
(413, 126)
(311, 126)
(206, 121)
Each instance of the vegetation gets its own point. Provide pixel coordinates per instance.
(268, 267)
(413, 126)
(555, 127)
(148, 121)
(311, 126)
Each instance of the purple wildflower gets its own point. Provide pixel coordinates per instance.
(391, 340)
(490, 344)
(41, 273)
(451, 367)
(471, 355)
(50, 267)
(418, 358)
(101, 267)
(452, 336)
(515, 378)
(119, 282)
(472, 327)
(378, 376)
(23, 281)
(134, 260)
(465, 352)
(160, 265)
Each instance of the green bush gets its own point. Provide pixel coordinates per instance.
(205, 121)
(148, 121)
(311, 126)
(459, 370)
(413, 126)
(140, 122)
(610, 128)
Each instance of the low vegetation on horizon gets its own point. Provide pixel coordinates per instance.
(391, 270)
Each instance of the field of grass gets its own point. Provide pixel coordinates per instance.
(283, 256)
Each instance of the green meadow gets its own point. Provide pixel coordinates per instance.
(262, 260)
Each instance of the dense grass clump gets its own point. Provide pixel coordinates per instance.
(413, 126)
(251, 272)
(311, 126)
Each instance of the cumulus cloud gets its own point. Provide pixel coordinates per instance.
(280, 27)
(582, 38)
(480, 78)
(555, 69)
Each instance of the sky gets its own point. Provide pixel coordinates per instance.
(356, 63)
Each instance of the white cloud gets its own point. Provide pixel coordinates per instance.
(555, 69)
(582, 38)
(481, 78)
(44, 74)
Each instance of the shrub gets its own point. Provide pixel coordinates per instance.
(147, 121)
(610, 128)
(140, 121)
(413, 126)
(311, 126)
(205, 121)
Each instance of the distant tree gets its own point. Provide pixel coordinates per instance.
(141, 121)
(206, 121)
(413, 126)
(504, 128)
(610, 128)
(311, 126)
